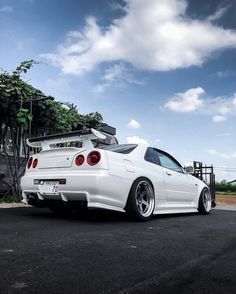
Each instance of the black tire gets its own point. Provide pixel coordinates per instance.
(141, 200)
(204, 203)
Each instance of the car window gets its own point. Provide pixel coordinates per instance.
(122, 148)
(167, 162)
(151, 156)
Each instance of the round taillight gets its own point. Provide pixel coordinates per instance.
(79, 160)
(35, 162)
(93, 158)
(29, 162)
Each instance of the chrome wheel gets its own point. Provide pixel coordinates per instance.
(207, 200)
(144, 198)
(204, 202)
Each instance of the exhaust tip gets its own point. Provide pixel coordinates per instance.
(32, 196)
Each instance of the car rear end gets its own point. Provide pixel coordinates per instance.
(72, 175)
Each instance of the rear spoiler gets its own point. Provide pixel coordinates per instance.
(84, 136)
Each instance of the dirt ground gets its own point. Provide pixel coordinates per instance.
(225, 199)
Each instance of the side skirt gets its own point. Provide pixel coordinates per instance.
(167, 208)
(170, 211)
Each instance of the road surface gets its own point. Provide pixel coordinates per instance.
(104, 252)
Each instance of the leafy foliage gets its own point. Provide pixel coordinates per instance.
(223, 186)
(23, 116)
(48, 115)
(14, 96)
(26, 112)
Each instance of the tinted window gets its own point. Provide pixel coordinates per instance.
(168, 162)
(123, 148)
(151, 156)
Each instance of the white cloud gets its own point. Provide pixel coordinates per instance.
(234, 101)
(116, 76)
(187, 101)
(136, 140)
(120, 73)
(196, 100)
(100, 88)
(133, 124)
(6, 9)
(219, 118)
(220, 108)
(224, 109)
(114, 72)
(221, 154)
(224, 74)
(218, 14)
(166, 38)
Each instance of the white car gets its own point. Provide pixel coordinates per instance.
(132, 178)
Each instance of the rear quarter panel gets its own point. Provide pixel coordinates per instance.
(133, 166)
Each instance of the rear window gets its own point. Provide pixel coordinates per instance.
(123, 148)
(151, 156)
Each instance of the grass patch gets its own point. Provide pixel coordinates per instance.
(10, 199)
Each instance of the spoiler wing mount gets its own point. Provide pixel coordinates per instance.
(84, 136)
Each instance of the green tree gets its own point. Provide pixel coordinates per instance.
(223, 186)
(26, 111)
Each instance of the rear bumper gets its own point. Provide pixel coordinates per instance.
(99, 189)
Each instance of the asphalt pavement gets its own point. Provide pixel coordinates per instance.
(104, 252)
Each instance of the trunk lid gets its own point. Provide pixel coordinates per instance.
(58, 157)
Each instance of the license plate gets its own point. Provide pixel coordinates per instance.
(49, 187)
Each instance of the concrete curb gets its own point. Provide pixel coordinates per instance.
(226, 207)
(13, 205)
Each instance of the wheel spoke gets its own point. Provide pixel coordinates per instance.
(144, 198)
(143, 194)
(145, 202)
(206, 200)
(140, 207)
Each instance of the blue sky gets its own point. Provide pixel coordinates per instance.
(159, 71)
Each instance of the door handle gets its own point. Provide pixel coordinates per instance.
(168, 174)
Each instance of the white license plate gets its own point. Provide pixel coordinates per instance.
(49, 187)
